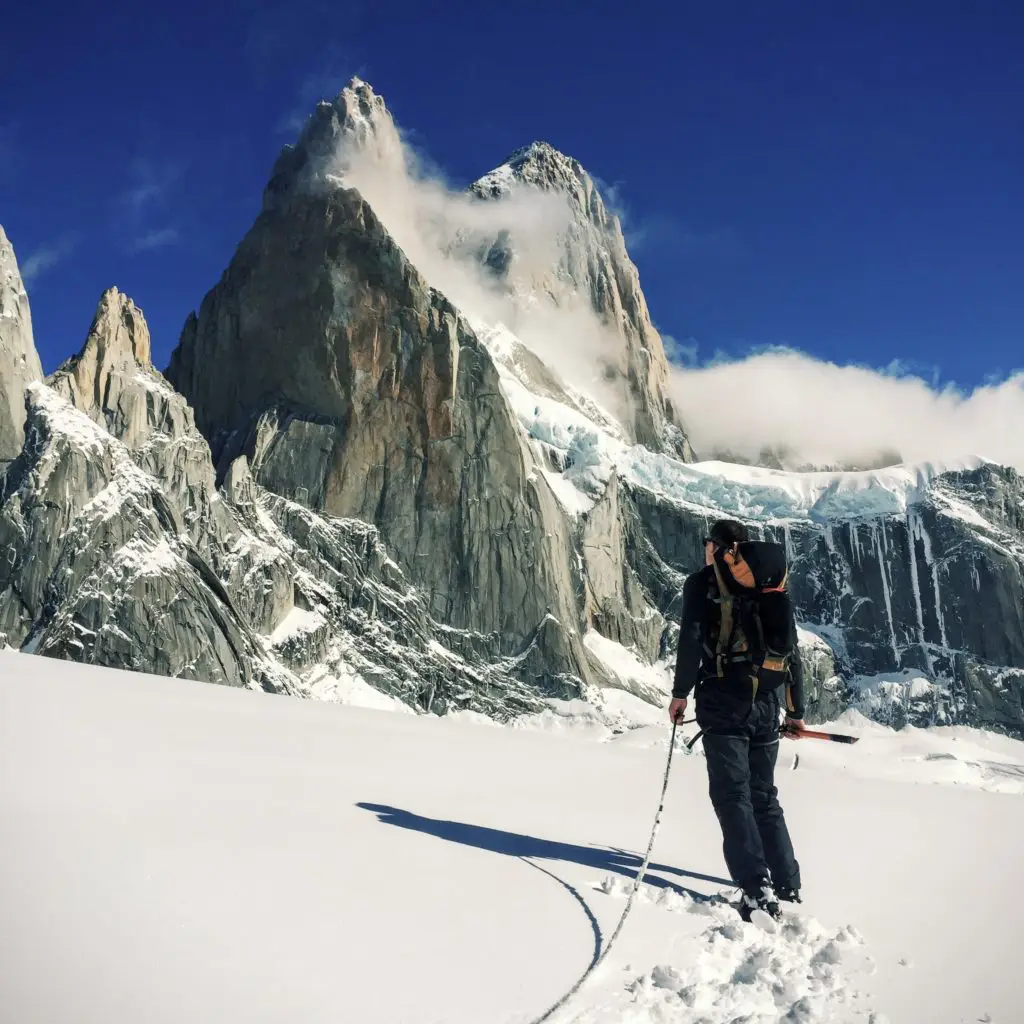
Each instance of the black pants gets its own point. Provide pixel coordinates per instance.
(741, 776)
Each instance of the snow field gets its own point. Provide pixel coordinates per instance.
(178, 852)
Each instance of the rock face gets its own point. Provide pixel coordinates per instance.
(617, 605)
(824, 690)
(592, 264)
(121, 551)
(387, 409)
(115, 356)
(108, 515)
(933, 593)
(19, 361)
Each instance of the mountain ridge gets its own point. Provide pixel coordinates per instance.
(344, 483)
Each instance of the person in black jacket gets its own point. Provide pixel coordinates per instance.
(740, 724)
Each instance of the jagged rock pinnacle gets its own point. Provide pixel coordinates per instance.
(117, 340)
(357, 120)
(593, 264)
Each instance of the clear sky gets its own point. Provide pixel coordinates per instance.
(846, 178)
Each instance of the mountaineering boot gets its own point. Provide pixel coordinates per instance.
(759, 896)
(788, 895)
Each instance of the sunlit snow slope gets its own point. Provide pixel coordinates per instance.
(175, 852)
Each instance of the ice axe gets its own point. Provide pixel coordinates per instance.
(814, 734)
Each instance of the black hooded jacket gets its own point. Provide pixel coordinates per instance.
(694, 665)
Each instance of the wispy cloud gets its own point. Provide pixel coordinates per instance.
(634, 230)
(679, 352)
(46, 257)
(145, 199)
(669, 237)
(443, 233)
(664, 234)
(148, 188)
(158, 239)
(139, 196)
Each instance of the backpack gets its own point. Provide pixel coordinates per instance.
(754, 613)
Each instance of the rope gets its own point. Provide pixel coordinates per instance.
(629, 903)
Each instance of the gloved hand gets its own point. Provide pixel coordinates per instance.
(792, 728)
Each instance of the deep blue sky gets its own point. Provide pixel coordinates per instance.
(845, 177)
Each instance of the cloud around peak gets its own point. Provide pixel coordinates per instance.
(820, 413)
(804, 409)
(447, 234)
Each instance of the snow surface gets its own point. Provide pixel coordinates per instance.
(341, 683)
(67, 421)
(154, 383)
(296, 623)
(573, 500)
(179, 852)
(501, 180)
(649, 682)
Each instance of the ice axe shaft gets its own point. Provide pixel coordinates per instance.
(814, 734)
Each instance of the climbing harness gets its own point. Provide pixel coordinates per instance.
(629, 902)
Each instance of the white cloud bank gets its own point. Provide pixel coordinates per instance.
(820, 413)
(808, 411)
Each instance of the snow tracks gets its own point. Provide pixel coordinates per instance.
(729, 972)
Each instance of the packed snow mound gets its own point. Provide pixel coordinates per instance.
(795, 969)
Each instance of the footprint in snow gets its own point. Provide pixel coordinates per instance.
(793, 970)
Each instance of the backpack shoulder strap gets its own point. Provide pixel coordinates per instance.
(726, 622)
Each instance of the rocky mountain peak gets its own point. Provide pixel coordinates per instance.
(540, 151)
(118, 337)
(357, 121)
(413, 503)
(10, 277)
(543, 166)
(594, 267)
(19, 361)
(117, 348)
(119, 331)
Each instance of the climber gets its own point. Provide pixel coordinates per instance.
(738, 685)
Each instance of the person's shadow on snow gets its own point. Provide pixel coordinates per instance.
(513, 844)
